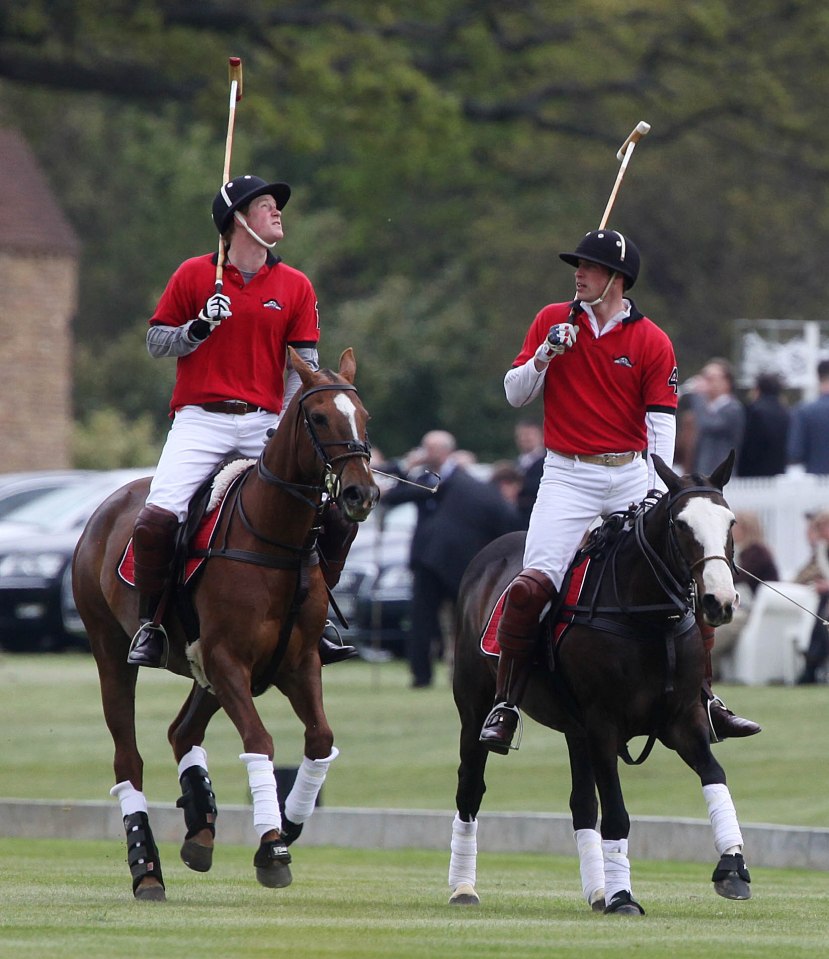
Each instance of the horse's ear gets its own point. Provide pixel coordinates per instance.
(722, 474)
(348, 365)
(665, 473)
(306, 374)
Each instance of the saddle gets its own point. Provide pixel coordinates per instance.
(196, 533)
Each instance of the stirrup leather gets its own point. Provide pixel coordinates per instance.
(498, 707)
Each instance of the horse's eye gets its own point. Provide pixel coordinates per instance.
(319, 419)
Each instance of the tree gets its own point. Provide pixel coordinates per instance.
(442, 154)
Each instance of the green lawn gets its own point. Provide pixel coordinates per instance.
(72, 899)
(398, 746)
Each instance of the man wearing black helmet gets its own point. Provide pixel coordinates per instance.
(609, 399)
(230, 379)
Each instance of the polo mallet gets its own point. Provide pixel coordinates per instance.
(624, 154)
(234, 72)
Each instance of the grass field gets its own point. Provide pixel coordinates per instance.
(398, 746)
(60, 899)
(399, 750)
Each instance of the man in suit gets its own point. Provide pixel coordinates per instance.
(457, 515)
(766, 430)
(529, 439)
(809, 435)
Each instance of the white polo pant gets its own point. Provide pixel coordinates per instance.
(571, 496)
(196, 443)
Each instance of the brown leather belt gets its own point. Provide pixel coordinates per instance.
(601, 459)
(234, 407)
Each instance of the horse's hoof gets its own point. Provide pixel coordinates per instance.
(731, 878)
(732, 889)
(598, 905)
(150, 892)
(464, 895)
(196, 856)
(272, 862)
(623, 904)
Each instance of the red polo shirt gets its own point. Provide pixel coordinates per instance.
(243, 358)
(597, 393)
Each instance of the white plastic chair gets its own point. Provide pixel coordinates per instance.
(771, 646)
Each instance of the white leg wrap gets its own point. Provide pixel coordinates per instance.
(591, 863)
(303, 795)
(129, 798)
(195, 757)
(616, 867)
(723, 816)
(263, 791)
(464, 857)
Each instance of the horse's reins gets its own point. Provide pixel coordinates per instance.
(757, 579)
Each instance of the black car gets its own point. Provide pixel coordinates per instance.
(375, 590)
(37, 541)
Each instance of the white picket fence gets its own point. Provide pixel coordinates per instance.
(781, 503)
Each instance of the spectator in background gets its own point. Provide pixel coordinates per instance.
(809, 430)
(816, 574)
(529, 440)
(508, 480)
(718, 415)
(457, 515)
(765, 440)
(755, 562)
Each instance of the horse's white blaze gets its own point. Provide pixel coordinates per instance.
(346, 406)
(710, 524)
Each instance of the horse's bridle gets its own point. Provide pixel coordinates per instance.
(330, 482)
(669, 582)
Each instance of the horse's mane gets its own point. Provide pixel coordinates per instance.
(616, 525)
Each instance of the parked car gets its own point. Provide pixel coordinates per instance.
(37, 541)
(17, 489)
(375, 590)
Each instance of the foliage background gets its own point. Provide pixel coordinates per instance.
(441, 154)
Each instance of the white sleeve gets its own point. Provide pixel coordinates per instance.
(661, 429)
(523, 383)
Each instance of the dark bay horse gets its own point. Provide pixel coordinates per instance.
(260, 603)
(629, 664)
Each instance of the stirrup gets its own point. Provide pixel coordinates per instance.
(713, 701)
(156, 630)
(505, 706)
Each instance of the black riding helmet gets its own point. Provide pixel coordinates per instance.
(608, 248)
(239, 192)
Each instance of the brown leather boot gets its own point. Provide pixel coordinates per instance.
(154, 543)
(724, 724)
(526, 598)
(333, 543)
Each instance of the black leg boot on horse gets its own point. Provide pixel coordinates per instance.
(334, 542)
(724, 724)
(154, 544)
(527, 595)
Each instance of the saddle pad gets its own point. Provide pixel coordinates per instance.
(200, 541)
(575, 583)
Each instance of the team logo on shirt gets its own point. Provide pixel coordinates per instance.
(272, 305)
(623, 361)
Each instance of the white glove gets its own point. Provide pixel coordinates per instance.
(561, 337)
(212, 314)
(216, 309)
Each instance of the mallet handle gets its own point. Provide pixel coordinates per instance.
(234, 72)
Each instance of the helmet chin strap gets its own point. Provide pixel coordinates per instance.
(241, 220)
(605, 291)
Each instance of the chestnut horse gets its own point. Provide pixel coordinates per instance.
(629, 664)
(260, 603)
